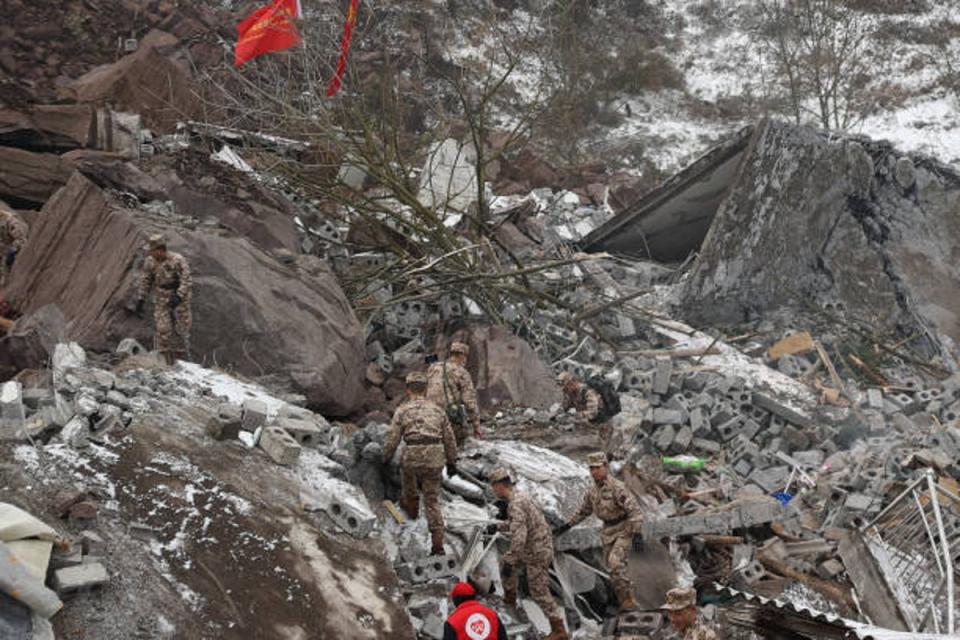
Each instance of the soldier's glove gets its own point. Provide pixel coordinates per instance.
(502, 507)
(11, 256)
(451, 469)
(507, 570)
(139, 308)
(562, 529)
(175, 300)
(491, 529)
(638, 542)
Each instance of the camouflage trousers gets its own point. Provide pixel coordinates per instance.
(615, 553)
(538, 580)
(417, 479)
(171, 326)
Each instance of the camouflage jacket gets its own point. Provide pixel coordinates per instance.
(531, 539)
(701, 631)
(171, 274)
(459, 388)
(426, 432)
(13, 232)
(613, 503)
(586, 401)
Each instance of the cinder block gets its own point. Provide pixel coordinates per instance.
(662, 374)
(280, 446)
(92, 543)
(130, 347)
(667, 416)
(787, 413)
(356, 520)
(681, 441)
(429, 568)
(729, 429)
(750, 574)
(771, 479)
(254, 414)
(306, 433)
(84, 576)
(663, 438)
(705, 447)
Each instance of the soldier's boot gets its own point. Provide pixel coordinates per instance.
(625, 598)
(557, 630)
(411, 507)
(436, 538)
(510, 596)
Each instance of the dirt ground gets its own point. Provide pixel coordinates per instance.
(233, 555)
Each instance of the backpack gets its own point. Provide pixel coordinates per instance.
(609, 396)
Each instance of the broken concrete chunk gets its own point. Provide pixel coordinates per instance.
(76, 433)
(130, 347)
(254, 414)
(306, 433)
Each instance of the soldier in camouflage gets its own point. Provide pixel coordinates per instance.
(169, 275)
(681, 608)
(13, 236)
(618, 510)
(429, 443)
(449, 386)
(531, 546)
(586, 402)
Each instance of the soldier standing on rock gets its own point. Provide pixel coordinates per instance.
(170, 274)
(449, 386)
(618, 510)
(424, 429)
(13, 235)
(531, 546)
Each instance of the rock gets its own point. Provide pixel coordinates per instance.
(506, 370)
(449, 179)
(295, 322)
(147, 82)
(31, 177)
(76, 433)
(31, 340)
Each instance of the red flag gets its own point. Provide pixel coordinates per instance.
(269, 28)
(337, 79)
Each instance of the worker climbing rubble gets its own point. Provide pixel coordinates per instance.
(449, 386)
(617, 508)
(531, 547)
(168, 274)
(429, 443)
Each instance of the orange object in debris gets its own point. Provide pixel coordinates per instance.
(792, 345)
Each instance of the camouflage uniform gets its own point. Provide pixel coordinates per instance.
(430, 443)
(13, 235)
(701, 631)
(682, 599)
(172, 325)
(620, 513)
(586, 401)
(459, 390)
(531, 545)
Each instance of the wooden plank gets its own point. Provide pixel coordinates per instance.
(394, 511)
(791, 345)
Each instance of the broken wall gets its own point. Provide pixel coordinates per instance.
(836, 222)
(250, 312)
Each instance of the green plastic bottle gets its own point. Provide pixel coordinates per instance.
(683, 463)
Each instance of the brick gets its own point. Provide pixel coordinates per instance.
(85, 576)
(92, 543)
(429, 568)
(771, 479)
(667, 416)
(662, 374)
(698, 422)
(729, 429)
(705, 447)
(681, 441)
(305, 432)
(830, 569)
(787, 413)
(663, 438)
(280, 446)
(254, 414)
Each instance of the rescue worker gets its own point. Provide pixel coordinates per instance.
(424, 429)
(531, 546)
(471, 620)
(586, 402)
(681, 608)
(449, 386)
(13, 236)
(618, 510)
(169, 275)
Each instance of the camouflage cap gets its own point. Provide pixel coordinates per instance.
(564, 377)
(416, 378)
(680, 598)
(500, 475)
(596, 459)
(459, 347)
(157, 241)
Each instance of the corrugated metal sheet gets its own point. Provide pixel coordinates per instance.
(855, 630)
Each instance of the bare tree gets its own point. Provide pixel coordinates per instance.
(818, 48)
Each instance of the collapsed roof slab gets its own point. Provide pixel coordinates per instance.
(670, 222)
(835, 223)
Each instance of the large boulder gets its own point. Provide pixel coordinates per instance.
(250, 312)
(506, 370)
(27, 179)
(838, 222)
